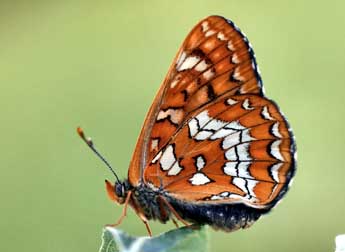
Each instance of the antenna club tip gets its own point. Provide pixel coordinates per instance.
(87, 140)
(80, 132)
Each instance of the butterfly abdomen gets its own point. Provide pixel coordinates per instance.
(227, 217)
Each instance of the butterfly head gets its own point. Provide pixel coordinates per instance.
(118, 191)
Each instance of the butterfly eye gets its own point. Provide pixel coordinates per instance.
(119, 190)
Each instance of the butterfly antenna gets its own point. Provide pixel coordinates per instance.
(89, 143)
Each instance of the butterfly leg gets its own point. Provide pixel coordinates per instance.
(144, 220)
(124, 211)
(147, 227)
(141, 215)
(171, 208)
(163, 212)
(175, 222)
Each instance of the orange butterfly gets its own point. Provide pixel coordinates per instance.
(213, 149)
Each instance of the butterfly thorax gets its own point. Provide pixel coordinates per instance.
(148, 201)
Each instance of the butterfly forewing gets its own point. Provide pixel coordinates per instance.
(237, 149)
(215, 59)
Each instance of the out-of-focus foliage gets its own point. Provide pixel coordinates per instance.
(99, 64)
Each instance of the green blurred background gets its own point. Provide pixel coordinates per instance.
(98, 64)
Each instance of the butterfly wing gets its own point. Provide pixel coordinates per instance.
(215, 59)
(236, 149)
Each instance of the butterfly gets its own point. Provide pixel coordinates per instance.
(213, 148)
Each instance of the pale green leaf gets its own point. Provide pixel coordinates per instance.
(183, 239)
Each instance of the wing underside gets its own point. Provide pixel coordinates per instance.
(238, 149)
(211, 135)
(215, 58)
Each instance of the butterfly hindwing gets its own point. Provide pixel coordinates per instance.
(215, 59)
(238, 149)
